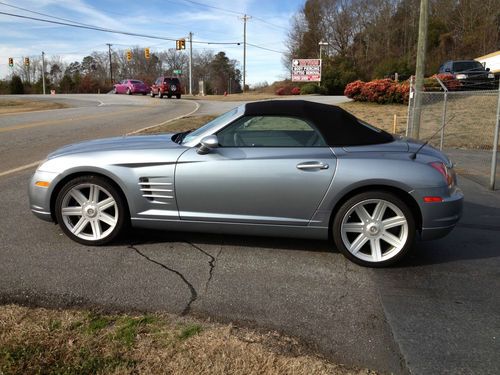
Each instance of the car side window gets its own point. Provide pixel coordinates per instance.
(270, 131)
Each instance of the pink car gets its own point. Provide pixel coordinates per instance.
(131, 86)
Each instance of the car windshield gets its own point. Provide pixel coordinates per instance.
(172, 81)
(137, 82)
(463, 66)
(210, 125)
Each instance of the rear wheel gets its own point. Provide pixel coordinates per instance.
(160, 94)
(90, 210)
(152, 93)
(374, 229)
(129, 92)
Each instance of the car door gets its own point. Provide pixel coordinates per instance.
(266, 170)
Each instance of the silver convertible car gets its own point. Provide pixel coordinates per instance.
(279, 168)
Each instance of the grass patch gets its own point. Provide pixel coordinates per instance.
(44, 341)
(190, 331)
(8, 106)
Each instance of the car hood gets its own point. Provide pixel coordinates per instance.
(143, 142)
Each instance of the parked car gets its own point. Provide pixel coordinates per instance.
(169, 86)
(470, 73)
(131, 86)
(288, 168)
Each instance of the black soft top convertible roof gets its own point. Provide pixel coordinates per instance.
(338, 127)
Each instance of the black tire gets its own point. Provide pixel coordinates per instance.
(114, 90)
(152, 93)
(129, 92)
(160, 94)
(178, 96)
(372, 232)
(118, 211)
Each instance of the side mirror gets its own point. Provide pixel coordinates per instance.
(207, 143)
(487, 69)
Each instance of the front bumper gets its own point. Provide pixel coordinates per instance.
(39, 197)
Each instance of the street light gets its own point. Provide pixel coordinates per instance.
(321, 44)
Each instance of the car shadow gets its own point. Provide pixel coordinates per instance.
(475, 237)
(139, 236)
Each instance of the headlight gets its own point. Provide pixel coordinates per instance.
(491, 76)
(461, 76)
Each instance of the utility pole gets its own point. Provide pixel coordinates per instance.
(245, 18)
(43, 72)
(110, 64)
(419, 74)
(190, 63)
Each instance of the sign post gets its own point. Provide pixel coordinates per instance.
(306, 70)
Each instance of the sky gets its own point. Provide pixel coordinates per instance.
(209, 20)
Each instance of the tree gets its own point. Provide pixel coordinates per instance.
(16, 85)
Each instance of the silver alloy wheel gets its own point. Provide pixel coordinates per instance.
(89, 212)
(374, 230)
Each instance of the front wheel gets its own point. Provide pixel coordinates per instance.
(129, 92)
(374, 229)
(90, 210)
(152, 93)
(160, 94)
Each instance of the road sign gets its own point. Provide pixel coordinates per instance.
(306, 70)
(177, 71)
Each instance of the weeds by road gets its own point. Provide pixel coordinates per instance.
(16, 106)
(36, 340)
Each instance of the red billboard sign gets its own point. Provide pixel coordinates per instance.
(306, 70)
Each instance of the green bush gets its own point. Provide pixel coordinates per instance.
(309, 88)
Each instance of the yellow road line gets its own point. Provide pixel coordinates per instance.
(66, 120)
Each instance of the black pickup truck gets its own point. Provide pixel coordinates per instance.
(470, 73)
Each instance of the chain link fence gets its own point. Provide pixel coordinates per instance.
(470, 120)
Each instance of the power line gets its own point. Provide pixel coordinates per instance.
(265, 48)
(44, 14)
(235, 12)
(112, 31)
(214, 7)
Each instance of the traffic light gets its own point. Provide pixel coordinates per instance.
(26, 61)
(146, 53)
(11, 62)
(180, 44)
(129, 55)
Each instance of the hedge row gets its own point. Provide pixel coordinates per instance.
(382, 91)
(385, 91)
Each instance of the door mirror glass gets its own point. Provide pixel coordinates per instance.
(207, 143)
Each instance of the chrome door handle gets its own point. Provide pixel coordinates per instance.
(312, 165)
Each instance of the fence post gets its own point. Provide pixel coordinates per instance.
(409, 119)
(443, 121)
(495, 145)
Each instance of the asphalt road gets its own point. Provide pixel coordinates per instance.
(436, 313)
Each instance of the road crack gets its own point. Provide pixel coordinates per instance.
(211, 263)
(194, 294)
